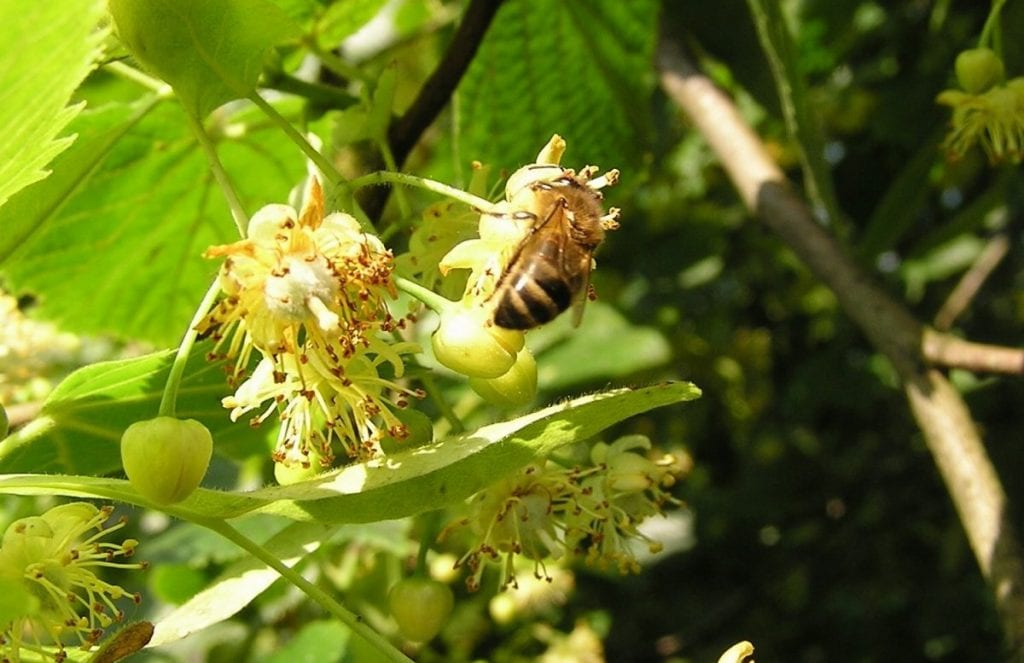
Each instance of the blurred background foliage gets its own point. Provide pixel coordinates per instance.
(820, 528)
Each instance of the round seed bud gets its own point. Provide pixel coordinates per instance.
(468, 343)
(978, 69)
(165, 458)
(515, 388)
(420, 607)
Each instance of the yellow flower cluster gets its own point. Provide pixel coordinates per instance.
(53, 559)
(547, 511)
(987, 111)
(309, 292)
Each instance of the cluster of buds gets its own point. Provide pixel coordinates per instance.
(469, 340)
(547, 511)
(52, 559)
(987, 109)
(309, 293)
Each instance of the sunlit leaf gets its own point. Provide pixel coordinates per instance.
(31, 209)
(401, 484)
(49, 48)
(123, 254)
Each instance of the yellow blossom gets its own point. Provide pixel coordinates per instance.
(310, 293)
(547, 511)
(993, 118)
(301, 277)
(55, 557)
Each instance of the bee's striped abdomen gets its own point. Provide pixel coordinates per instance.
(537, 296)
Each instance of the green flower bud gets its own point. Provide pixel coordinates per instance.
(165, 458)
(419, 427)
(467, 342)
(515, 388)
(286, 475)
(978, 69)
(420, 607)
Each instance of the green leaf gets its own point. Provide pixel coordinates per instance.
(582, 70)
(604, 346)
(343, 19)
(176, 583)
(209, 52)
(318, 642)
(79, 428)
(239, 584)
(98, 130)
(197, 547)
(51, 47)
(123, 254)
(402, 484)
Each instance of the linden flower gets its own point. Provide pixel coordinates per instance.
(626, 488)
(318, 402)
(519, 516)
(548, 511)
(310, 294)
(301, 278)
(994, 118)
(55, 557)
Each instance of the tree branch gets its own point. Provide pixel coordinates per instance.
(940, 412)
(962, 295)
(405, 132)
(947, 350)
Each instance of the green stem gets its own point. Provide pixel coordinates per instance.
(170, 396)
(320, 161)
(317, 93)
(431, 525)
(430, 385)
(343, 614)
(334, 63)
(145, 80)
(389, 162)
(237, 212)
(991, 23)
(388, 177)
(434, 301)
(802, 122)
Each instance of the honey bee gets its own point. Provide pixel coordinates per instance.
(550, 269)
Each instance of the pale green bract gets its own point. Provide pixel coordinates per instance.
(403, 483)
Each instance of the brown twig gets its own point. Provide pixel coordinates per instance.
(939, 410)
(965, 291)
(943, 349)
(405, 132)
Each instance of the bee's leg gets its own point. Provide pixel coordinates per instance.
(608, 179)
(610, 221)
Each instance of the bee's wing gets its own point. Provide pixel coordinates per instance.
(580, 297)
(576, 263)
